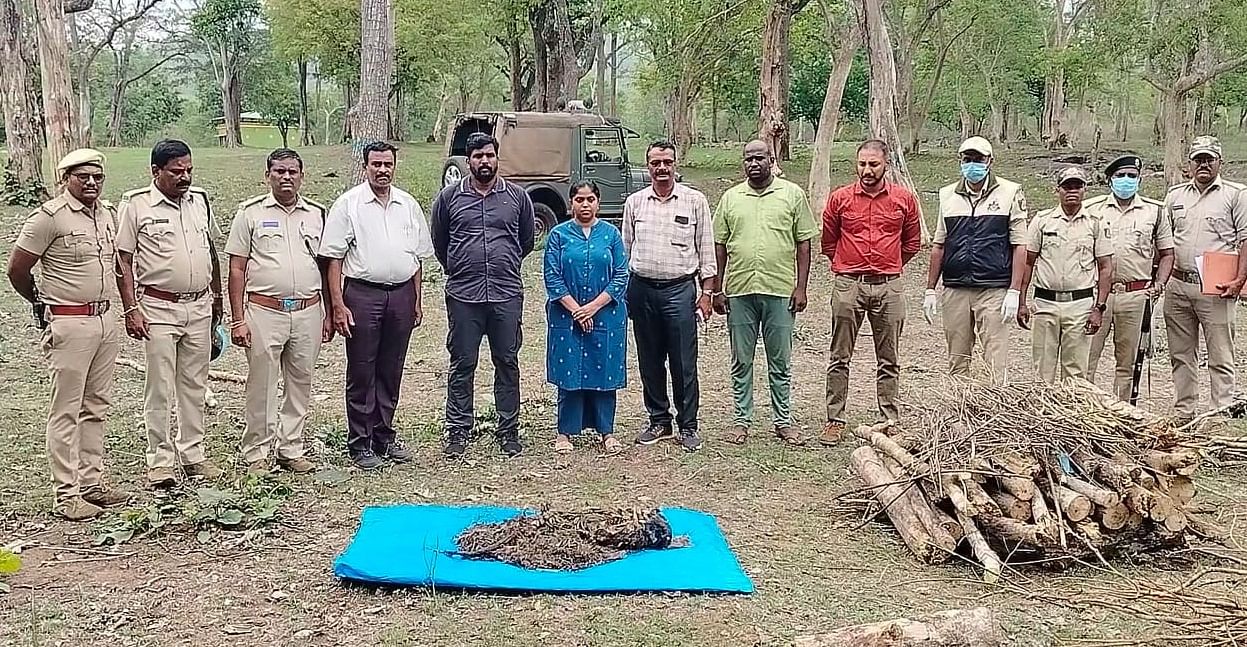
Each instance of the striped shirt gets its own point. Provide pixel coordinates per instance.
(669, 238)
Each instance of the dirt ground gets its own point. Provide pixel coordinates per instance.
(815, 567)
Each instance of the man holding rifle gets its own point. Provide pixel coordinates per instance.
(1141, 239)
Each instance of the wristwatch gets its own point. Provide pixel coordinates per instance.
(1101, 307)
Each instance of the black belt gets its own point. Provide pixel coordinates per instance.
(1187, 277)
(663, 283)
(380, 286)
(1064, 297)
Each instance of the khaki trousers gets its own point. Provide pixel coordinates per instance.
(884, 306)
(82, 355)
(1187, 310)
(970, 314)
(177, 369)
(1124, 317)
(1059, 341)
(284, 345)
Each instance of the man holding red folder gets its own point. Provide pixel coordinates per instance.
(1209, 214)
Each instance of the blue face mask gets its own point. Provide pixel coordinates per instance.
(1124, 187)
(974, 172)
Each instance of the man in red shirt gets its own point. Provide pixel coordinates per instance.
(871, 229)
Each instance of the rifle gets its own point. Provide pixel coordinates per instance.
(1140, 354)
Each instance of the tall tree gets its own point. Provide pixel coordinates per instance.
(845, 32)
(18, 98)
(58, 106)
(376, 73)
(773, 84)
(227, 29)
(103, 26)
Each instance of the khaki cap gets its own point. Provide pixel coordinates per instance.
(1205, 145)
(1071, 173)
(80, 157)
(976, 144)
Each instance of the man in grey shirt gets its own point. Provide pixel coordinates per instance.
(482, 229)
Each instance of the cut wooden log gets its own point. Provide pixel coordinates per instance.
(1176, 521)
(943, 540)
(1075, 506)
(983, 504)
(905, 519)
(988, 559)
(891, 449)
(1181, 463)
(1015, 531)
(954, 628)
(1017, 476)
(1181, 490)
(1011, 506)
(1098, 495)
(943, 519)
(1115, 517)
(1041, 516)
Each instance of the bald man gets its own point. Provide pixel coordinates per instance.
(762, 232)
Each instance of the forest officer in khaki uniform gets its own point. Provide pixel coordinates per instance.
(171, 288)
(275, 298)
(1069, 254)
(1141, 238)
(71, 237)
(1209, 214)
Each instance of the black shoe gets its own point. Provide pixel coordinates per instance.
(456, 446)
(511, 445)
(655, 433)
(396, 451)
(366, 460)
(689, 440)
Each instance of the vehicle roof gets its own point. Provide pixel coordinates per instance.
(541, 119)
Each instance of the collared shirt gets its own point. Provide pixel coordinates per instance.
(1067, 248)
(669, 238)
(75, 249)
(280, 246)
(870, 234)
(761, 230)
(1212, 221)
(170, 239)
(379, 243)
(1138, 232)
(481, 240)
(998, 198)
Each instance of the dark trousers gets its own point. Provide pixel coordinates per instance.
(469, 322)
(664, 322)
(586, 409)
(375, 353)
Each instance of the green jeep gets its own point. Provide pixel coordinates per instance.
(546, 152)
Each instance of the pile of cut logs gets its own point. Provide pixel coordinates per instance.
(1050, 473)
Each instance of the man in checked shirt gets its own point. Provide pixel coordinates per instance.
(669, 236)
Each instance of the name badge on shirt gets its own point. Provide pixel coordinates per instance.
(160, 221)
(682, 220)
(270, 224)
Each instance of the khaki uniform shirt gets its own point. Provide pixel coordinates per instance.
(169, 240)
(280, 246)
(1138, 232)
(75, 250)
(1214, 221)
(1067, 249)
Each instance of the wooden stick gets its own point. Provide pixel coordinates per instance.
(890, 448)
(1097, 495)
(875, 475)
(916, 499)
(992, 566)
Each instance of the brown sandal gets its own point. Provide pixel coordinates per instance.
(738, 434)
(789, 435)
(563, 444)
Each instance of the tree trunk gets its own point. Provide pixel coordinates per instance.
(515, 66)
(883, 95)
(58, 107)
(848, 35)
(773, 80)
(681, 115)
(569, 66)
(714, 114)
(24, 162)
(614, 93)
(1053, 126)
(599, 69)
(375, 72)
(439, 124)
(1173, 133)
(231, 100)
(918, 110)
(305, 121)
(541, 59)
(956, 628)
(1242, 118)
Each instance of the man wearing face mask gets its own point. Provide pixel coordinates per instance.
(170, 283)
(1209, 214)
(979, 253)
(1069, 253)
(1141, 237)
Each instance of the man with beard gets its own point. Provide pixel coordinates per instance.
(870, 231)
(275, 298)
(170, 284)
(763, 228)
(483, 227)
(1208, 214)
(1069, 253)
(1141, 237)
(669, 236)
(374, 240)
(71, 238)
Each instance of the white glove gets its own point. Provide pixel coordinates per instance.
(929, 307)
(1009, 309)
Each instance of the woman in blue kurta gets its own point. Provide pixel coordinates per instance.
(586, 273)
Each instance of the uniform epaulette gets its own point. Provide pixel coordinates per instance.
(1099, 199)
(199, 190)
(1175, 187)
(252, 200)
(106, 204)
(52, 206)
(134, 192)
(315, 205)
(1155, 203)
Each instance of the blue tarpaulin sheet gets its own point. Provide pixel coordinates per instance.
(414, 545)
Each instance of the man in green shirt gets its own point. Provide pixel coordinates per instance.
(762, 233)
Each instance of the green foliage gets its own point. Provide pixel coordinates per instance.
(254, 503)
(10, 563)
(21, 194)
(148, 107)
(229, 22)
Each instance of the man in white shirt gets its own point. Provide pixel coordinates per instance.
(374, 240)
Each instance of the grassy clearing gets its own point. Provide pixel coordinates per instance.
(815, 569)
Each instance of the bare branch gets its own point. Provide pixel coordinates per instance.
(106, 41)
(1189, 82)
(153, 67)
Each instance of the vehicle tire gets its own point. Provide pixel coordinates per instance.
(546, 220)
(456, 169)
